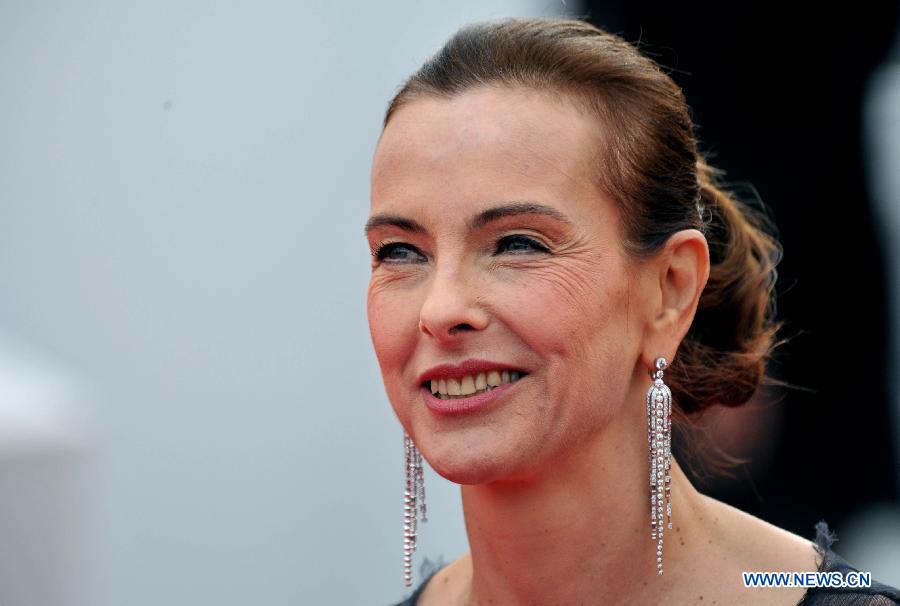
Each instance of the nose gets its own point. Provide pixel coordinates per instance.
(452, 306)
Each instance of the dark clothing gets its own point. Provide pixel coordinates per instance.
(878, 594)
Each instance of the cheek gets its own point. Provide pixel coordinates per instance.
(575, 316)
(393, 322)
(573, 307)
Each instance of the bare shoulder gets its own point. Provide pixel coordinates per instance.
(740, 542)
(756, 543)
(448, 585)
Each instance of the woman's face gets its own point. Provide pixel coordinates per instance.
(550, 293)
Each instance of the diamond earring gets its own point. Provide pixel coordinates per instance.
(413, 498)
(659, 441)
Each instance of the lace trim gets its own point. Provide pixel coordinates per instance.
(878, 593)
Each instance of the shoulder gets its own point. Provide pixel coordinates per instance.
(727, 542)
(449, 585)
(754, 544)
(434, 575)
(876, 594)
(746, 543)
(413, 599)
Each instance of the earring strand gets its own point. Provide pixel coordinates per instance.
(413, 503)
(659, 442)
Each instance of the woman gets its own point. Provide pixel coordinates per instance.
(556, 275)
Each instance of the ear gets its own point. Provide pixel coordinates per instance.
(681, 270)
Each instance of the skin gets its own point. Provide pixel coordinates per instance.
(554, 475)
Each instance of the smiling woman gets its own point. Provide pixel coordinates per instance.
(557, 277)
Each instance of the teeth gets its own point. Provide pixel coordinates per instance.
(472, 384)
(493, 378)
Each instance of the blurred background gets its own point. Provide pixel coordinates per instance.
(191, 411)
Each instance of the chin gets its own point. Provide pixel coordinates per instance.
(463, 474)
(466, 465)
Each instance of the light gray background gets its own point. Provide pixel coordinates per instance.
(190, 407)
(183, 187)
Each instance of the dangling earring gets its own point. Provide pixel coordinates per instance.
(413, 496)
(659, 440)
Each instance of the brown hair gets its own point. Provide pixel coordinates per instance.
(652, 170)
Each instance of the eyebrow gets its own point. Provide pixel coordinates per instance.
(478, 221)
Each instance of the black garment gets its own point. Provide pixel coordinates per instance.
(878, 594)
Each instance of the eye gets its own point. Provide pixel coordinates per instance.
(400, 252)
(519, 243)
(386, 252)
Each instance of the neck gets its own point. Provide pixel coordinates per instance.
(577, 531)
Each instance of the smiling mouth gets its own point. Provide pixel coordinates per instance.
(471, 385)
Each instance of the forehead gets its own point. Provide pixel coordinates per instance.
(485, 145)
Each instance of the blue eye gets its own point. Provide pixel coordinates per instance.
(400, 252)
(517, 241)
(384, 252)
